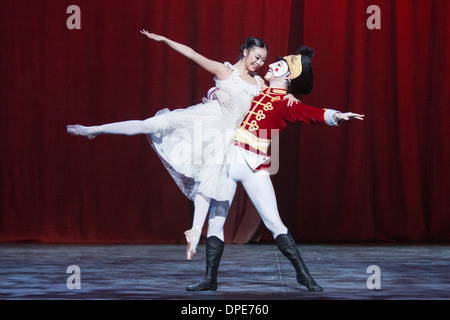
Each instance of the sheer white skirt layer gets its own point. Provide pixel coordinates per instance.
(194, 144)
(195, 147)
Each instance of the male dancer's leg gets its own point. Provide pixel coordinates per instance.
(218, 212)
(260, 190)
(215, 241)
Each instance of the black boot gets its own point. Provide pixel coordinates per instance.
(287, 246)
(214, 250)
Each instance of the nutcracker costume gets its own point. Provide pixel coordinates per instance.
(250, 161)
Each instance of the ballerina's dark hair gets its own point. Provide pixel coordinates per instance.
(251, 43)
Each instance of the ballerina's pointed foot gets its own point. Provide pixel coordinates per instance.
(78, 130)
(192, 238)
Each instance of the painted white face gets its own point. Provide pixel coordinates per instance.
(279, 69)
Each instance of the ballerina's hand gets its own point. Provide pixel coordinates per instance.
(152, 35)
(223, 98)
(291, 99)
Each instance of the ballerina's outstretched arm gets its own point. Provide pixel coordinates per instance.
(220, 70)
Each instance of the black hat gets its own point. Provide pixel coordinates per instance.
(302, 75)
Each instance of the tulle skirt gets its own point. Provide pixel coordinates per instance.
(195, 146)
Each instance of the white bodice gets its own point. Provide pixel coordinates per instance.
(238, 87)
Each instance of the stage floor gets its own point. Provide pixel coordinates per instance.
(247, 272)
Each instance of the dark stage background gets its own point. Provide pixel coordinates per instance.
(384, 179)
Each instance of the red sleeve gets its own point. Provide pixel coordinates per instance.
(301, 112)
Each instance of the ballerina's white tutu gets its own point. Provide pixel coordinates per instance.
(194, 146)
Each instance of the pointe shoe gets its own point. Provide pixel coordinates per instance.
(76, 130)
(192, 238)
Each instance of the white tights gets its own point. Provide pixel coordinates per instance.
(201, 207)
(259, 188)
(129, 128)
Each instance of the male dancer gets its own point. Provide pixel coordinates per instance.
(268, 116)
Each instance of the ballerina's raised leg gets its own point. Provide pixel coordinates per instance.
(151, 125)
(129, 128)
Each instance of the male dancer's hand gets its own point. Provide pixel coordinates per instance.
(346, 116)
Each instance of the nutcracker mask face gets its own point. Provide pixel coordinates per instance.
(300, 75)
(279, 69)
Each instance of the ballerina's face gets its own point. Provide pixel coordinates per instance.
(256, 58)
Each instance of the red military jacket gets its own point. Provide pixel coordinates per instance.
(269, 114)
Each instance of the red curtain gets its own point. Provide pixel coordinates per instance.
(381, 179)
(386, 178)
(59, 188)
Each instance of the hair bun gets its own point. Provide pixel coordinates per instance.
(251, 43)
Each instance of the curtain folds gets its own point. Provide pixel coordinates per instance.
(384, 179)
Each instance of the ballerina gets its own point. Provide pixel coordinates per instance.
(201, 171)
